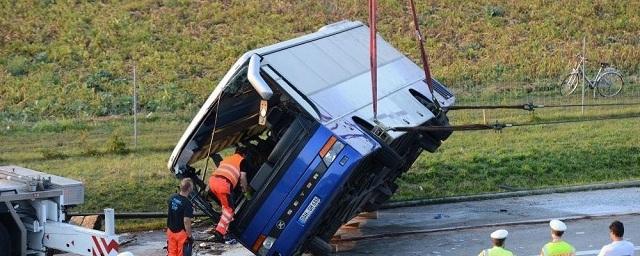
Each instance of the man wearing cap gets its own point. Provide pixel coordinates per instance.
(557, 246)
(497, 238)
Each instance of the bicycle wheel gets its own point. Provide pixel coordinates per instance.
(610, 84)
(569, 84)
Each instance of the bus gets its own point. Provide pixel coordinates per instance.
(318, 157)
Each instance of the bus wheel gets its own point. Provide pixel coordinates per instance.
(318, 247)
(5, 243)
(388, 157)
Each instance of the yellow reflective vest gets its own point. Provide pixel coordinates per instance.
(496, 251)
(558, 248)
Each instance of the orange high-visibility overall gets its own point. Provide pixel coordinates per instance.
(223, 180)
(176, 242)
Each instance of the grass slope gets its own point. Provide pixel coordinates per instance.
(527, 158)
(69, 61)
(74, 58)
(468, 163)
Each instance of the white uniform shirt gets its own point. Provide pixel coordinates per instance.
(617, 248)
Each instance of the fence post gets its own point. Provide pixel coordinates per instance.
(484, 116)
(584, 82)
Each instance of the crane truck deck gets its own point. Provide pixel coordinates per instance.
(33, 206)
(303, 109)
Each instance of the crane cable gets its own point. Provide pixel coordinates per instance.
(213, 133)
(531, 106)
(498, 126)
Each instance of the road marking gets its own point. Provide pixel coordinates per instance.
(594, 252)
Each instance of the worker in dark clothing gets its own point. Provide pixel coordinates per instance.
(179, 240)
(222, 182)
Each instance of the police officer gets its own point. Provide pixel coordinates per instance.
(557, 246)
(179, 238)
(497, 238)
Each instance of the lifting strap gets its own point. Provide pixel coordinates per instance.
(373, 56)
(423, 53)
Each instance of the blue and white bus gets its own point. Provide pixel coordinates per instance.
(303, 109)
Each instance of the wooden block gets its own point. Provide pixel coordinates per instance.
(92, 222)
(351, 224)
(346, 233)
(351, 229)
(342, 246)
(369, 215)
(76, 220)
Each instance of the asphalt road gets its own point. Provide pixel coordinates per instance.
(587, 234)
(476, 221)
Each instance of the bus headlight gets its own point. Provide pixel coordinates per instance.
(266, 245)
(330, 150)
(333, 153)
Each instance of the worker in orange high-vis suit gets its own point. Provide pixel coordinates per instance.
(222, 182)
(179, 240)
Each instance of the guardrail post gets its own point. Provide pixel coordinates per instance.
(109, 222)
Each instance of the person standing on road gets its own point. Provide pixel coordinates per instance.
(222, 182)
(619, 246)
(557, 246)
(497, 238)
(179, 240)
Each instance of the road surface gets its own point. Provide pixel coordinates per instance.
(587, 235)
(464, 228)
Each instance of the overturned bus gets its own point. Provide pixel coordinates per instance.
(303, 109)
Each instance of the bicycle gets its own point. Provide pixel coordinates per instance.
(608, 82)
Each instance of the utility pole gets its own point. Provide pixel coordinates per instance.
(135, 110)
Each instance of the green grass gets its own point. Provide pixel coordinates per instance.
(134, 181)
(527, 158)
(74, 59)
(468, 163)
(65, 87)
(128, 182)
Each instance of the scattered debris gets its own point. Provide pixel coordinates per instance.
(127, 239)
(440, 216)
(350, 229)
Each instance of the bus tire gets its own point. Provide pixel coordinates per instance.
(382, 194)
(388, 157)
(428, 143)
(5, 243)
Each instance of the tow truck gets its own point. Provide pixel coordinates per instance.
(302, 108)
(33, 208)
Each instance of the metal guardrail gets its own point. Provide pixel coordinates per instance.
(132, 215)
